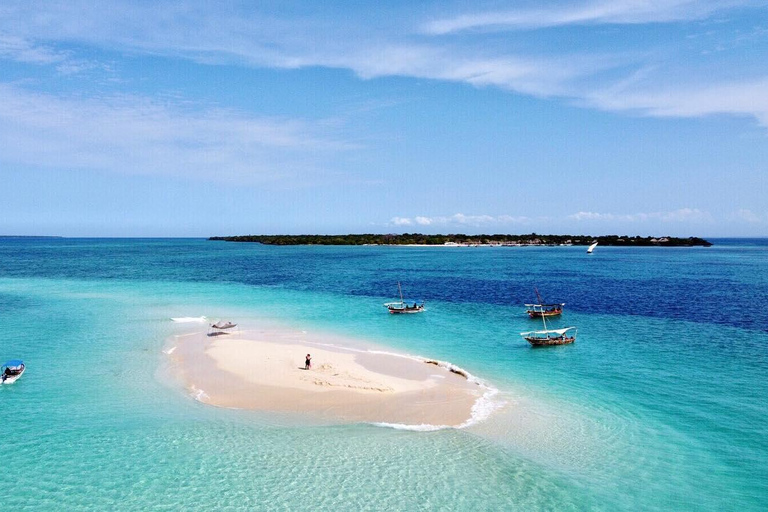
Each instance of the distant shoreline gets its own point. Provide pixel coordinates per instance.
(460, 240)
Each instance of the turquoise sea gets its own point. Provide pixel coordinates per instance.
(661, 404)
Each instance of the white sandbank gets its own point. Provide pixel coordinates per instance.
(264, 370)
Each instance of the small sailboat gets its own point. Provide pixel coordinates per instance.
(404, 306)
(591, 248)
(541, 309)
(547, 337)
(12, 371)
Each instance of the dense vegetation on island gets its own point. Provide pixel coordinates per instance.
(460, 239)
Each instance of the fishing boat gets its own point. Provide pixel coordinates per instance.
(541, 309)
(404, 306)
(591, 248)
(547, 337)
(12, 371)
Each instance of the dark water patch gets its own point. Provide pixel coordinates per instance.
(727, 285)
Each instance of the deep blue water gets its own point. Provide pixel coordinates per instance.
(661, 403)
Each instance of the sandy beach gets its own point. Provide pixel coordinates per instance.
(264, 370)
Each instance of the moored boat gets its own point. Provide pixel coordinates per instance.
(404, 306)
(541, 309)
(550, 337)
(12, 371)
(546, 336)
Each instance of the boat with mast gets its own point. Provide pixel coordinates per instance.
(591, 247)
(404, 306)
(547, 337)
(541, 309)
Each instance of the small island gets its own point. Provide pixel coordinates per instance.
(468, 240)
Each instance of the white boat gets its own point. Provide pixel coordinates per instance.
(591, 248)
(223, 325)
(404, 306)
(220, 327)
(546, 336)
(12, 371)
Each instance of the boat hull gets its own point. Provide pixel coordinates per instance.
(539, 314)
(10, 379)
(546, 342)
(400, 311)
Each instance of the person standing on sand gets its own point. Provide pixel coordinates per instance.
(308, 362)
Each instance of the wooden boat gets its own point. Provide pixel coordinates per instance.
(404, 306)
(547, 337)
(550, 337)
(539, 310)
(12, 371)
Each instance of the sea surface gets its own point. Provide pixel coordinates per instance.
(661, 404)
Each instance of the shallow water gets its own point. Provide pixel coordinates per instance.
(660, 404)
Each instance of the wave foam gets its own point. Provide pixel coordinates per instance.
(198, 394)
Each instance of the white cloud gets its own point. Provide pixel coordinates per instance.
(741, 98)
(137, 135)
(601, 12)
(460, 220)
(395, 44)
(745, 215)
(681, 215)
(401, 221)
(20, 50)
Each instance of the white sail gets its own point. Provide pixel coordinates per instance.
(591, 248)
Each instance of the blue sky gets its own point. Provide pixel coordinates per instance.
(216, 118)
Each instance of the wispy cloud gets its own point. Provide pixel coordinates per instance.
(137, 135)
(572, 13)
(21, 50)
(402, 42)
(460, 220)
(746, 215)
(747, 98)
(681, 215)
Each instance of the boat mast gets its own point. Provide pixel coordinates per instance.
(399, 289)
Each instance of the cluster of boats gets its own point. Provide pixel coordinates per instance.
(540, 338)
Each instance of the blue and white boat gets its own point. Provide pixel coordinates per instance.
(12, 371)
